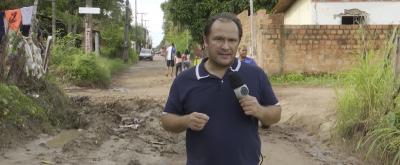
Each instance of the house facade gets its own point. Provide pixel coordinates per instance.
(339, 12)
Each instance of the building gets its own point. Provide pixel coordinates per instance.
(339, 12)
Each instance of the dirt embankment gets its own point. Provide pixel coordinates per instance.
(121, 125)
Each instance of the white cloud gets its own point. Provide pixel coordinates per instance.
(154, 15)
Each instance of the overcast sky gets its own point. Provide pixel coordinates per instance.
(154, 14)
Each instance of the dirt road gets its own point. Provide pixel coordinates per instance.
(121, 126)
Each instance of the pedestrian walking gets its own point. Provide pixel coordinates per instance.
(178, 63)
(170, 60)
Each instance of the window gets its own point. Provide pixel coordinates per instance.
(351, 20)
(145, 51)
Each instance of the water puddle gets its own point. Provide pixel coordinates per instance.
(64, 137)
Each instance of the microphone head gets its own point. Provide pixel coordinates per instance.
(235, 80)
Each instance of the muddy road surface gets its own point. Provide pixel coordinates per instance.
(120, 126)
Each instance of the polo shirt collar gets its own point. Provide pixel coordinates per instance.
(201, 71)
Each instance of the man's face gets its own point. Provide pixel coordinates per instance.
(243, 52)
(222, 43)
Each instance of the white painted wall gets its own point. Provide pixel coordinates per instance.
(379, 12)
(300, 13)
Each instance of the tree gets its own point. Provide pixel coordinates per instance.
(192, 14)
(109, 22)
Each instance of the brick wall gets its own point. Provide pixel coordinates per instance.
(261, 19)
(310, 48)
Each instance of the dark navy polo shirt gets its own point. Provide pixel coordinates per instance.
(230, 137)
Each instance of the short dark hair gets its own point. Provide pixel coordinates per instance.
(223, 16)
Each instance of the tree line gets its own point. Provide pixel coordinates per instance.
(191, 15)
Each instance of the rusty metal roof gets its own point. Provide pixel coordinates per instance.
(282, 6)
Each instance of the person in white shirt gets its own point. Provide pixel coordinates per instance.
(170, 60)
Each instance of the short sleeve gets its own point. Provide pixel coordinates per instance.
(174, 104)
(267, 95)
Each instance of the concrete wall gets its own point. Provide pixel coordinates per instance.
(308, 12)
(310, 48)
(379, 12)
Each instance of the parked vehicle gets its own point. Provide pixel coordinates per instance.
(146, 54)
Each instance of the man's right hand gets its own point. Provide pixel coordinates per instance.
(196, 121)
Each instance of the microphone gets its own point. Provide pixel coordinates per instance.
(238, 86)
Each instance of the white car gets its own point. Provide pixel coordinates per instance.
(145, 54)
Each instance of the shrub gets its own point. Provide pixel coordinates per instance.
(17, 108)
(305, 79)
(73, 65)
(368, 109)
(86, 70)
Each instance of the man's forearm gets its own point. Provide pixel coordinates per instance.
(270, 114)
(174, 123)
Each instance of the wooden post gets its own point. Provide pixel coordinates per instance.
(3, 56)
(54, 20)
(396, 73)
(97, 43)
(88, 29)
(34, 22)
(282, 49)
(397, 59)
(126, 34)
(47, 53)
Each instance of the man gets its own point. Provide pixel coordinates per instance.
(170, 60)
(243, 56)
(220, 129)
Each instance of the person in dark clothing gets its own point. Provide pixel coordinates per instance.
(178, 64)
(186, 60)
(220, 128)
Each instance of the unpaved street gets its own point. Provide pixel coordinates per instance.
(120, 126)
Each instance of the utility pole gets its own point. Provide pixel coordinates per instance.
(135, 30)
(145, 32)
(142, 27)
(252, 29)
(141, 14)
(125, 56)
(136, 13)
(88, 30)
(53, 22)
(145, 23)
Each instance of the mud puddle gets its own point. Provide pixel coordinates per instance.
(116, 131)
(120, 131)
(63, 138)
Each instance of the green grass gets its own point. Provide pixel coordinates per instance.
(113, 65)
(306, 79)
(17, 108)
(369, 108)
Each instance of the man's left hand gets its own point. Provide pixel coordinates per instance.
(250, 106)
